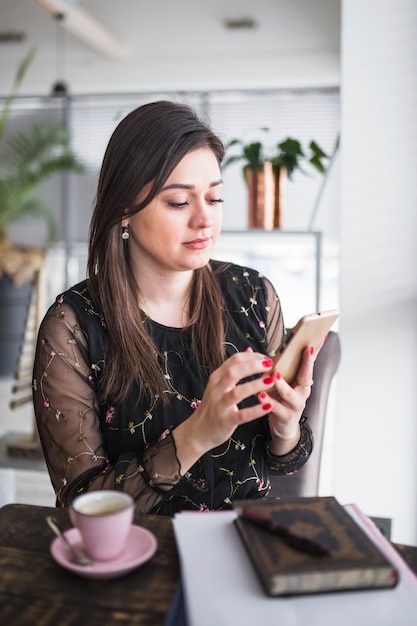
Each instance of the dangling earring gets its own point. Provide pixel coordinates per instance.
(125, 232)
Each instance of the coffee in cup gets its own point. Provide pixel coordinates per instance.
(103, 519)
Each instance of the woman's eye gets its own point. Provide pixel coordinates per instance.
(178, 205)
(182, 205)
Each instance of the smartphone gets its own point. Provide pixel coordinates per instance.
(310, 330)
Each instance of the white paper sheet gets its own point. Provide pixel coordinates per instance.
(222, 589)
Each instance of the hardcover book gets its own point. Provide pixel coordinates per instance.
(282, 555)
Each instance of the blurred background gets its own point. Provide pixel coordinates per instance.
(310, 69)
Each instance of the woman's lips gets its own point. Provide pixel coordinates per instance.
(197, 244)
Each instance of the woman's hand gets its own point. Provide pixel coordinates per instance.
(218, 415)
(287, 405)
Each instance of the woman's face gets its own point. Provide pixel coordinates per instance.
(176, 231)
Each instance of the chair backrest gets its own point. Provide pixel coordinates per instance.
(305, 482)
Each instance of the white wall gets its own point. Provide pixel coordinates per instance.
(375, 460)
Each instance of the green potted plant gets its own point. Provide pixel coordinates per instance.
(266, 168)
(27, 159)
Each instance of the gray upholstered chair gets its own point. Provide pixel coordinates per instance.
(305, 482)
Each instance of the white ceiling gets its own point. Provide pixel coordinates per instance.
(177, 45)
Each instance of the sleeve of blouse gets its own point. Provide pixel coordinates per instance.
(296, 458)
(66, 410)
(275, 321)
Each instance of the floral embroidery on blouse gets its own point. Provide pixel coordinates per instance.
(129, 444)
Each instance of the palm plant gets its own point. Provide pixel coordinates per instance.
(26, 160)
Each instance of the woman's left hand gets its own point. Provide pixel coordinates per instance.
(287, 405)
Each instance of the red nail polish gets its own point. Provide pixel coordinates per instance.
(311, 350)
(268, 380)
(267, 362)
(267, 407)
(278, 375)
(262, 395)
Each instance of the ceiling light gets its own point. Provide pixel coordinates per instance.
(78, 22)
(242, 23)
(12, 36)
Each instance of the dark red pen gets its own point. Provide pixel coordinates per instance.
(303, 544)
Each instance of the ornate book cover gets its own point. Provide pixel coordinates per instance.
(352, 560)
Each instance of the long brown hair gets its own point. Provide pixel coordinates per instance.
(143, 151)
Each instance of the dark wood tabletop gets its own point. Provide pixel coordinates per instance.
(34, 589)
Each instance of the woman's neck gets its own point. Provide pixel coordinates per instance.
(165, 299)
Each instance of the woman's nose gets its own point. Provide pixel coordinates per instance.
(203, 215)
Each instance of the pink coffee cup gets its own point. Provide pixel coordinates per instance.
(103, 519)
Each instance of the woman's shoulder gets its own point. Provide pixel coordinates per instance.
(77, 292)
(78, 296)
(78, 299)
(243, 288)
(239, 276)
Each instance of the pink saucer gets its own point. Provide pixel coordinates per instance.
(140, 547)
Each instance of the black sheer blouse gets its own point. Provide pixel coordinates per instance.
(128, 445)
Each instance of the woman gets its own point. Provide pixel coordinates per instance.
(153, 376)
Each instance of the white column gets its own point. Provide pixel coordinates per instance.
(375, 434)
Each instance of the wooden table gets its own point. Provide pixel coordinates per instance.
(35, 590)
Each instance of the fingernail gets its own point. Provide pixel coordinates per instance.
(311, 350)
(262, 395)
(267, 407)
(267, 362)
(278, 375)
(249, 349)
(268, 380)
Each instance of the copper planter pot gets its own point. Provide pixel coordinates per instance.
(266, 187)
